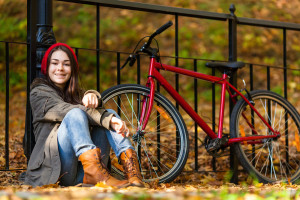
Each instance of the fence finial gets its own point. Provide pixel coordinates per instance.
(232, 9)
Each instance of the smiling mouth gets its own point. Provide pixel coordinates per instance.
(60, 75)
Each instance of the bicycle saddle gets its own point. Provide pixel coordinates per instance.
(232, 66)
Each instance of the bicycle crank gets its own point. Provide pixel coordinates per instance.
(214, 145)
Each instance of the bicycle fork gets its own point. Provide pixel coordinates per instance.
(147, 102)
(147, 105)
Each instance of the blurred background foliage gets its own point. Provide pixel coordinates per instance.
(120, 30)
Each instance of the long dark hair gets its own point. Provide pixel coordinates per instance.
(71, 93)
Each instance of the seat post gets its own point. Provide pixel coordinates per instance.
(222, 105)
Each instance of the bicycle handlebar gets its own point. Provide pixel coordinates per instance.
(132, 57)
(164, 27)
(158, 31)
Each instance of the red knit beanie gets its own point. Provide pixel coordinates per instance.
(45, 58)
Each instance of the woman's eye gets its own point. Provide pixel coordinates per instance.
(67, 64)
(54, 63)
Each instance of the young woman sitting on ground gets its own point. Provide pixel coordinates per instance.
(71, 125)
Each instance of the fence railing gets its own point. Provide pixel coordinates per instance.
(231, 19)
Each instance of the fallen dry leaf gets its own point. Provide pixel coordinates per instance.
(49, 186)
(103, 185)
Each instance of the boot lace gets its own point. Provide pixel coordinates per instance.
(131, 168)
(102, 166)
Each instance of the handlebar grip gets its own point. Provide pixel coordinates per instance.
(158, 31)
(163, 27)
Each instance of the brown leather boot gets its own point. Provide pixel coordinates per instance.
(131, 167)
(95, 172)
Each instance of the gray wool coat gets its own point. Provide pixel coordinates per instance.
(48, 110)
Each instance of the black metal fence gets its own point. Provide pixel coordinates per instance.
(33, 46)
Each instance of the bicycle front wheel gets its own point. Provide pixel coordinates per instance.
(162, 147)
(273, 159)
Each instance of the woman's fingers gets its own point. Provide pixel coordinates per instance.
(90, 100)
(119, 126)
(127, 132)
(122, 126)
(93, 101)
(125, 129)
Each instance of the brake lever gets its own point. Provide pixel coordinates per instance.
(132, 59)
(128, 59)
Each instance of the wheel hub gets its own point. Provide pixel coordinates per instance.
(138, 136)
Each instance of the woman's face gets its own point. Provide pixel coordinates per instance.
(60, 68)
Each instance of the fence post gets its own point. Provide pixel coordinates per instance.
(7, 106)
(31, 61)
(39, 37)
(45, 36)
(232, 33)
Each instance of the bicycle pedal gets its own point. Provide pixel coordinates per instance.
(213, 145)
(216, 144)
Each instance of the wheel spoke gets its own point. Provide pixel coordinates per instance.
(157, 161)
(124, 114)
(131, 105)
(156, 144)
(146, 152)
(276, 158)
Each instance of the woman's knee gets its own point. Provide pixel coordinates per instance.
(76, 114)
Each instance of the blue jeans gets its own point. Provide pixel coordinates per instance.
(75, 136)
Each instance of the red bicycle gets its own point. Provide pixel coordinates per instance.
(264, 127)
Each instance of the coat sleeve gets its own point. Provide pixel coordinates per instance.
(48, 106)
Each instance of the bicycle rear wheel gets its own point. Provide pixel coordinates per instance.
(270, 160)
(163, 146)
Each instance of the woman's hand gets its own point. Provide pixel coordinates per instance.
(90, 100)
(119, 126)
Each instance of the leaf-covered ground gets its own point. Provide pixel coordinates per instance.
(163, 192)
(186, 186)
(200, 186)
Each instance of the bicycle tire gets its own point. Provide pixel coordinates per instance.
(166, 163)
(274, 159)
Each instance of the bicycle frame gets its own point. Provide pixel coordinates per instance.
(226, 86)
